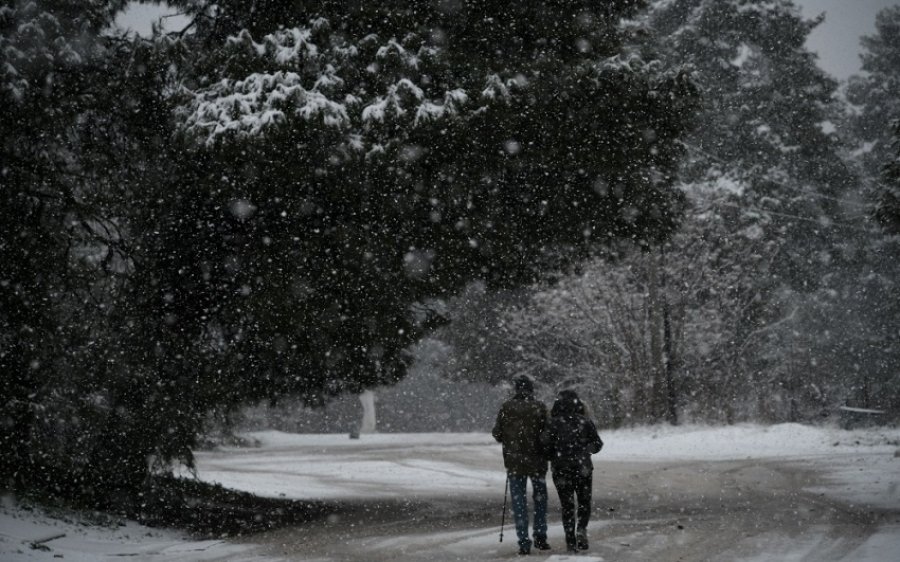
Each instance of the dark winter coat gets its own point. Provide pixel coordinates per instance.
(519, 426)
(571, 438)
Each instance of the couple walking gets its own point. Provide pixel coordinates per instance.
(530, 439)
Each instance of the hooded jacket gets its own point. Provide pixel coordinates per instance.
(571, 437)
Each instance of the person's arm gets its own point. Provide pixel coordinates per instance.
(548, 440)
(594, 440)
(497, 432)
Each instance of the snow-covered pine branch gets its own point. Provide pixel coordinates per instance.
(320, 80)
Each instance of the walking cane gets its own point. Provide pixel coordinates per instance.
(503, 517)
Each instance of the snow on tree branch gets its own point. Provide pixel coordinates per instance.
(247, 107)
(323, 81)
(32, 45)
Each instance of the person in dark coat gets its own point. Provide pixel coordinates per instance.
(519, 427)
(571, 438)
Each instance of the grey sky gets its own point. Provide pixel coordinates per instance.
(836, 40)
(140, 17)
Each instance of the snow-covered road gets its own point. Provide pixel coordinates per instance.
(749, 493)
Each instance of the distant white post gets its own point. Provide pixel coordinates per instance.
(367, 398)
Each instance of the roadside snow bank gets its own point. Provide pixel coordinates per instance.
(32, 534)
(278, 439)
(377, 465)
(857, 466)
(654, 443)
(742, 442)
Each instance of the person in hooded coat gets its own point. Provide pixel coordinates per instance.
(520, 424)
(571, 438)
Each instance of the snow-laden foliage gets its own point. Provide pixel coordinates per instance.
(873, 119)
(316, 78)
(765, 104)
(39, 45)
(313, 77)
(375, 182)
(888, 209)
(664, 334)
(875, 95)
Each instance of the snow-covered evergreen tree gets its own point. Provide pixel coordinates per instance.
(769, 138)
(875, 94)
(888, 209)
(874, 115)
(342, 178)
(766, 122)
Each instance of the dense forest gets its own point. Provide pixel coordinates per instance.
(666, 205)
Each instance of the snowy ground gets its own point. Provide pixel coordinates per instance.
(748, 493)
(27, 534)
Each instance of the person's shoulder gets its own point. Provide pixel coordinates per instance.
(538, 408)
(519, 404)
(511, 404)
(533, 402)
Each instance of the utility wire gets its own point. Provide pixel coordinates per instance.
(798, 217)
(781, 214)
(792, 188)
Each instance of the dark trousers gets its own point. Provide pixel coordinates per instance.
(574, 483)
(517, 484)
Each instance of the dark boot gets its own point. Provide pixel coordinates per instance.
(540, 543)
(525, 547)
(581, 539)
(571, 544)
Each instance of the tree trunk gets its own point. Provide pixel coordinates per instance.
(655, 319)
(367, 398)
(669, 360)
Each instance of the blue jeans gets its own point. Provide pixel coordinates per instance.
(517, 491)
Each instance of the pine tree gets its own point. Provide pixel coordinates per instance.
(350, 178)
(876, 94)
(768, 141)
(888, 210)
(873, 121)
(51, 65)
(876, 381)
